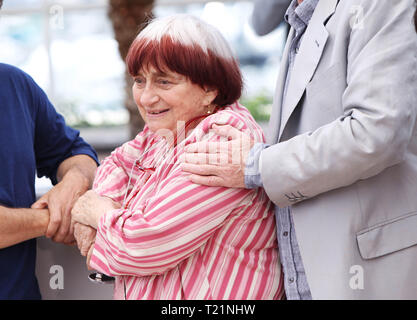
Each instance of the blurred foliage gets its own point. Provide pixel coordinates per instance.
(78, 115)
(92, 115)
(71, 112)
(259, 105)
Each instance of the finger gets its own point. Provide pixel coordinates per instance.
(64, 227)
(202, 170)
(205, 158)
(80, 244)
(211, 181)
(227, 131)
(69, 240)
(71, 232)
(89, 240)
(85, 237)
(42, 203)
(77, 236)
(54, 219)
(87, 245)
(71, 228)
(84, 248)
(89, 254)
(207, 147)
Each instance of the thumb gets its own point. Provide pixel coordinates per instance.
(42, 203)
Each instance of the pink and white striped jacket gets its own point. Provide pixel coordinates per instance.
(179, 240)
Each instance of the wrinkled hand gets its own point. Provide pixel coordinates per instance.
(218, 163)
(89, 254)
(85, 237)
(90, 207)
(59, 201)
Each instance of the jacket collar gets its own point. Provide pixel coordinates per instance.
(307, 60)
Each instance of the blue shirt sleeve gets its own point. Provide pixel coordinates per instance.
(253, 177)
(54, 140)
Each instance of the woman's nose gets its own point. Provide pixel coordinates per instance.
(148, 96)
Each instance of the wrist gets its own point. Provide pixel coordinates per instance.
(75, 177)
(21, 224)
(108, 205)
(82, 166)
(40, 221)
(96, 220)
(253, 178)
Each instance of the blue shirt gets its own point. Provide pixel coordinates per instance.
(295, 280)
(33, 139)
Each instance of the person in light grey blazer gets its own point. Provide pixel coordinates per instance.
(268, 14)
(415, 17)
(342, 151)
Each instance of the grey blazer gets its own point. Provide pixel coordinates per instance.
(344, 153)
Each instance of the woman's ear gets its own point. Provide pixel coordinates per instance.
(211, 95)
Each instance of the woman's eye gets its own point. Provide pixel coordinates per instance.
(164, 82)
(139, 81)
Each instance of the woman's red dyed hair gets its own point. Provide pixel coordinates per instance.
(204, 69)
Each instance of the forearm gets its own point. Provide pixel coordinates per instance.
(18, 225)
(334, 156)
(80, 168)
(156, 252)
(167, 232)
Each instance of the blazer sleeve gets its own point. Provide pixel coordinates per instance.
(379, 113)
(166, 228)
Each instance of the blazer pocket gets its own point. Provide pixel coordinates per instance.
(388, 237)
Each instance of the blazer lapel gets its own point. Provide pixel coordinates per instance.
(275, 118)
(308, 58)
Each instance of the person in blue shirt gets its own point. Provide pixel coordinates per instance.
(34, 139)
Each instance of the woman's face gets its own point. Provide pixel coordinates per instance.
(164, 98)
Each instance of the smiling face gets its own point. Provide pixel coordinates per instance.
(164, 98)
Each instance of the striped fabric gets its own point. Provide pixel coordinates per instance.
(173, 239)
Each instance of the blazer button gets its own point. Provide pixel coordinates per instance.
(285, 233)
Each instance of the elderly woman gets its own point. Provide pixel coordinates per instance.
(160, 235)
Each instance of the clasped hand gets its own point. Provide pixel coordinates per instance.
(86, 215)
